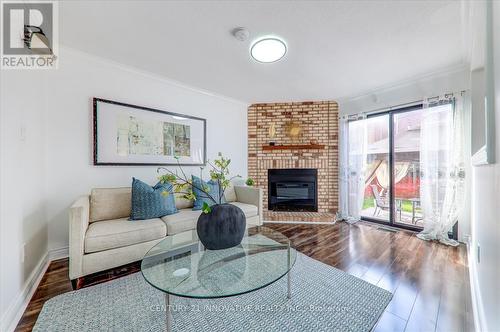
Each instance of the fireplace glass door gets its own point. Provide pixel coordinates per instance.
(292, 189)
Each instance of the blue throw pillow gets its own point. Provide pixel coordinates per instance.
(149, 202)
(201, 197)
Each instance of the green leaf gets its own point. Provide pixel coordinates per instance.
(178, 187)
(190, 195)
(167, 178)
(206, 208)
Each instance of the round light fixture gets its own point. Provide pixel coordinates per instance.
(267, 50)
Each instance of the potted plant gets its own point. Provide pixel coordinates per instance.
(220, 225)
(250, 182)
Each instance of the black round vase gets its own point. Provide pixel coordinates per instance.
(222, 228)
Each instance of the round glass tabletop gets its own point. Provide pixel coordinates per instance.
(180, 265)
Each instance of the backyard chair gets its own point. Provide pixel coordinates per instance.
(380, 202)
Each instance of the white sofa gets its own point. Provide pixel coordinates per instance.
(101, 236)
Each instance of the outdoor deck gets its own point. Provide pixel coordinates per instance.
(406, 217)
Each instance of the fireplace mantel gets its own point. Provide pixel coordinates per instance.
(293, 147)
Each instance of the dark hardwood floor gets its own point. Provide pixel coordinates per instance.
(429, 281)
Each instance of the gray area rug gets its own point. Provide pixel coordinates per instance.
(323, 299)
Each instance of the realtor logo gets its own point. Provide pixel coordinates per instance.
(29, 37)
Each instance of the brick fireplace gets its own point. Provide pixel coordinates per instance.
(305, 136)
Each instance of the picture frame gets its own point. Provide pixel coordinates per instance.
(131, 135)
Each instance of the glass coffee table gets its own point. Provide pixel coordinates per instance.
(180, 266)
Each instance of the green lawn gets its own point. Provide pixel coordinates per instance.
(370, 202)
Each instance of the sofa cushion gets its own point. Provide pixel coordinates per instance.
(230, 193)
(181, 202)
(186, 219)
(151, 202)
(248, 209)
(110, 203)
(182, 221)
(116, 233)
(211, 197)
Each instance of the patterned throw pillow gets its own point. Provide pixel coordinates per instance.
(214, 191)
(149, 202)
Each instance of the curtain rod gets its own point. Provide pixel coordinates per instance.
(389, 108)
(412, 103)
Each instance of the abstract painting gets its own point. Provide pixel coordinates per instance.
(139, 137)
(144, 136)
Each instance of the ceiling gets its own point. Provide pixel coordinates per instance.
(335, 48)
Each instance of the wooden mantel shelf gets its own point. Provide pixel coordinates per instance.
(293, 147)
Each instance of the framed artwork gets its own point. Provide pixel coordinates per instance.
(127, 135)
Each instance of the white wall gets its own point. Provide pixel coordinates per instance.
(485, 273)
(80, 77)
(23, 98)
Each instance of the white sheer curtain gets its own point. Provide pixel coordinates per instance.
(352, 166)
(442, 167)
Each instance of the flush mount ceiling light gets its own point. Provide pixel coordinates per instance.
(268, 49)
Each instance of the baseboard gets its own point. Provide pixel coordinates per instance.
(477, 302)
(55, 254)
(16, 310)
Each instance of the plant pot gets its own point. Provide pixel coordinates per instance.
(222, 228)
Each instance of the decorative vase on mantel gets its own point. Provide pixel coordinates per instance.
(220, 225)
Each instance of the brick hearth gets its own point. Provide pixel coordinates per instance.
(299, 216)
(319, 123)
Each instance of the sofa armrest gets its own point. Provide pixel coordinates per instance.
(250, 195)
(78, 224)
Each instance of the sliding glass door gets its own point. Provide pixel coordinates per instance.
(394, 158)
(406, 167)
(376, 200)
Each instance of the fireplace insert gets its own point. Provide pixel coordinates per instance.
(293, 189)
